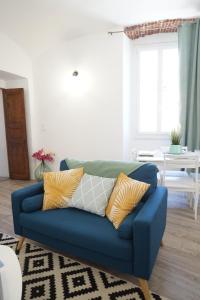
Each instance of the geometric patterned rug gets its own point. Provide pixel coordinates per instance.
(50, 276)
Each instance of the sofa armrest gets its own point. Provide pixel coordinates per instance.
(148, 229)
(17, 198)
(31, 204)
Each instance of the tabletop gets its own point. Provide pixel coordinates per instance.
(158, 158)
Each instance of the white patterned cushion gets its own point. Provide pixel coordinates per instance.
(92, 194)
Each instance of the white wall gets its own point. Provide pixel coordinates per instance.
(96, 123)
(127, 98)
(3, 148)
(99, 123)
(90, 125)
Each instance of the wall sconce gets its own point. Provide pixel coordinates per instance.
(78, 84)
(75, 73)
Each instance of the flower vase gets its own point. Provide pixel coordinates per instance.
(40, 169)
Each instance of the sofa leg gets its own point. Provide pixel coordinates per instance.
(19, 244)
(145, 288)
(161, 243)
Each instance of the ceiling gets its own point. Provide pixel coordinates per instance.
(37, 25)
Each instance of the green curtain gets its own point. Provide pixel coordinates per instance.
(189, 53)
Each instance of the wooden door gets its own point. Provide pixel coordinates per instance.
(15, 124)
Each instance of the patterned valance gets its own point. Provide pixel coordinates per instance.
(162, 26)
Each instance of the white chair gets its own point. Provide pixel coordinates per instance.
(176, 175)
(133, 154)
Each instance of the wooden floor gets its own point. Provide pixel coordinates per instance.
(176, 274)
(3, 178)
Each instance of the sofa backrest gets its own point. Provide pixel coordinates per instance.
(143, 172)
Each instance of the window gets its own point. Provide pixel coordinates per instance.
(158, 88)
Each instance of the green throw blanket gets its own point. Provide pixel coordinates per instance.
(103, 168)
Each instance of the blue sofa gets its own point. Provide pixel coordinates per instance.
(131, 249)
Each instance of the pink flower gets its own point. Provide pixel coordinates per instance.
(43, 155)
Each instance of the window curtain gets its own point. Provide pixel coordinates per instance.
(189, 53)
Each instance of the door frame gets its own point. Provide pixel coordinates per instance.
(2, 90)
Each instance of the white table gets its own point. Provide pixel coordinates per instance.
(178, 180)
(10, 275)
(158, 159)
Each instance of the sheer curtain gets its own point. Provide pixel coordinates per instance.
(189, 52)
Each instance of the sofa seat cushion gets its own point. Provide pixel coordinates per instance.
(79, 228)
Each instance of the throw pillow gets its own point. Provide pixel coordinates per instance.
(92, 194)
(59, 187)
(125, 196)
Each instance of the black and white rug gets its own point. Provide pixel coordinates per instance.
(50, 276)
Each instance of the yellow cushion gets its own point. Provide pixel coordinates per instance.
(125, 196)
(59, 187)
